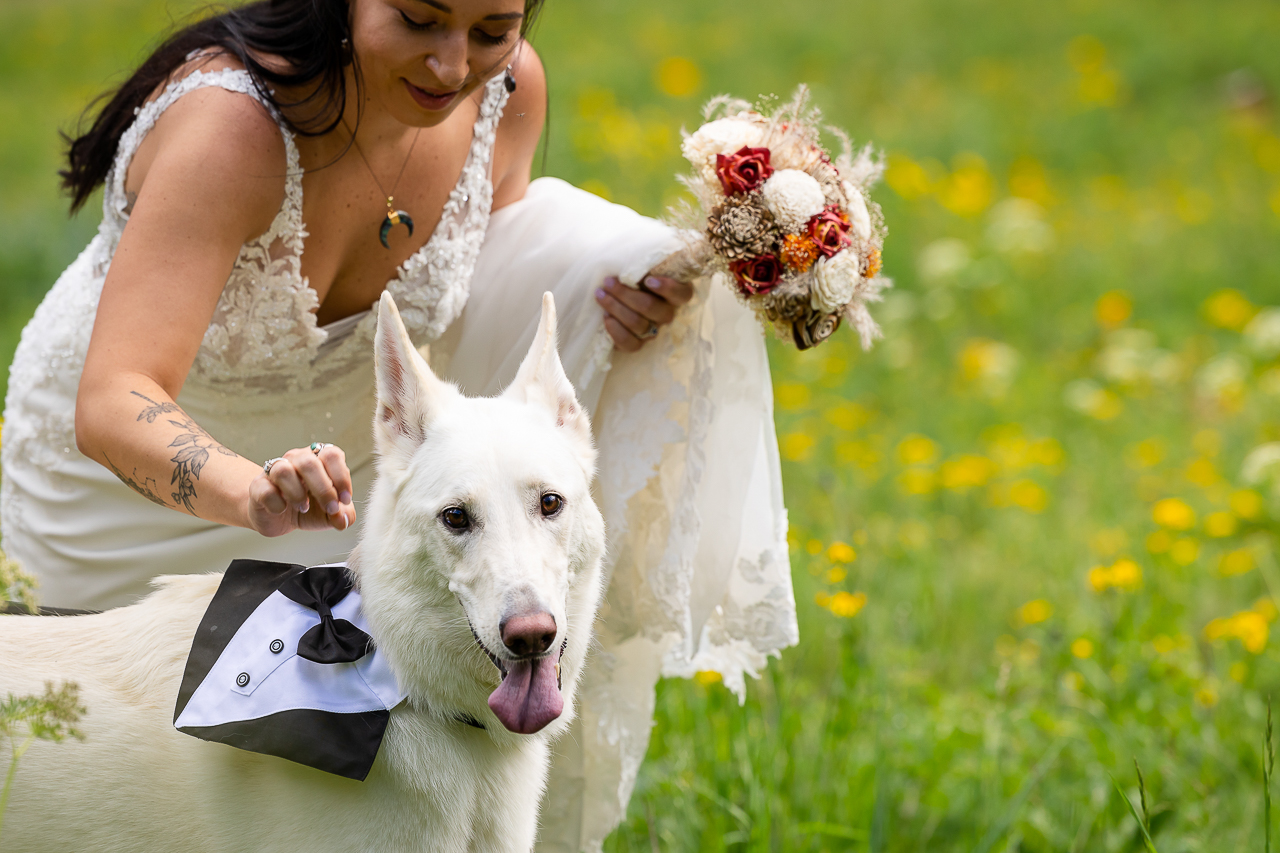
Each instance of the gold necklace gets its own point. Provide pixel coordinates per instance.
(394, 217)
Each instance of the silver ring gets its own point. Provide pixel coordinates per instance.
(317, 446)
(651, 332)
(266, 466)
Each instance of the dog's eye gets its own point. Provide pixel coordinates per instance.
(551, 504)
(455, 518)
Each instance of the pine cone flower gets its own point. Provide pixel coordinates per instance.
(741, 227)
(799, 252)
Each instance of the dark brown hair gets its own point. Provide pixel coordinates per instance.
(310, 38)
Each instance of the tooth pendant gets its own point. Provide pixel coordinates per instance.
(393, 218)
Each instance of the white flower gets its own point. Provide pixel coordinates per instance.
(859, 216)
(722, 136)
(793, 198)
(834, 281)
(1263, 333)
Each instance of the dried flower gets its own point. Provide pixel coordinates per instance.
(873, 264)
(830, 230)
(787, 302)
(744, 170)
(798, 252)
(813, 331)
(858, 213)
(741, 226)
(794, 198)
(834, 281)
(756, 275)
(717, 137)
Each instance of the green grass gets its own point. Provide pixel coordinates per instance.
(985, 693)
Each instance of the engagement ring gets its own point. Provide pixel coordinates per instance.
(651, 332)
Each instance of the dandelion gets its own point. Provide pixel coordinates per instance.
(917, 449)
(1112, 309)
(1236, 562)
(967, 191)
(1082, 648)
(1124, 574)
(847, 416)
(797, 446)
(1220, 525)
(907, 178)
(1035, 611)
(1147, 453)
(1047, 452)
(1207, 696)
(989, 364)
(708, 677)
(792, 396)
(966, 472)
(917, 481)
(1174, 514)
(1202, 473)
(814, 547)
(1266, 608)
(1228, 309)
(1246, 503)
(1159, 542)
(1184, 551)
(836, 574)
(841, 552)
(1029, 495)
(1247, 626)
(843, 604)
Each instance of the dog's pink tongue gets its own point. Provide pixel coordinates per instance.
(529, 697)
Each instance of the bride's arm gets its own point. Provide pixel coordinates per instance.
(205, 190)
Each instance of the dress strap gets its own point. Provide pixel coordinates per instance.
(115, 202)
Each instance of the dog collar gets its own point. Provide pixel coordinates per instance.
(282, 664)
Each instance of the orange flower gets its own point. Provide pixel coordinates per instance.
(873, 264)
(798, 253)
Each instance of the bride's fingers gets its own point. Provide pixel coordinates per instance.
(622, 338)
(619, 311)
(646, 305)
(673, 291)
(316, 480)
(286, 479)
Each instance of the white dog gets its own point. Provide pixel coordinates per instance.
(479, 568)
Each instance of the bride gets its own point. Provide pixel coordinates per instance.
(196, 386)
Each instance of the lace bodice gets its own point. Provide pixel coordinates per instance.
(263, 337)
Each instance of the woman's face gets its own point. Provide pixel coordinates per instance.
(420, 58)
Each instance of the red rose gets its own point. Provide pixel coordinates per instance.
(756, 275)
(830, 230)
(744, 171)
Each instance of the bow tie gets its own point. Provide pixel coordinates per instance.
(320, 588)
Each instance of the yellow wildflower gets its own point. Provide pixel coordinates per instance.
(797, 446)
(792, 396)
(917, 449)
(707, 677)
(1237, 562)
(906, 177)
(842, 604)
(1246, 503)
(1109, 541)
(1147, 453)
(836, 574)
(1082, 648)
(678, 77)
(1220, 524)
(968, 190)
(1159, 542)
(847, 416)
(1047, 452)
(1202, 473)
(1266, 608)
(1035, 611)
(814, 546)
(1100, 578)
(1207, 696)
(966, 471)
(1123, 574)
(1184, 551)
(841, 552)
(1229, 309)
(1112, 309)
(1174, 514)
(1029, 495)
(1247, 626)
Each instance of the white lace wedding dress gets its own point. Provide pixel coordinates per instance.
(688, 479)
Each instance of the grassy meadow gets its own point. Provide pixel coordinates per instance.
(1033, 532)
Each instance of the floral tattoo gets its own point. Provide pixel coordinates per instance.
(193, 445)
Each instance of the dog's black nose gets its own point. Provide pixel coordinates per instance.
(529, 633)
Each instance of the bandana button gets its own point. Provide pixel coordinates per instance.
(242, 679)
(277, 646)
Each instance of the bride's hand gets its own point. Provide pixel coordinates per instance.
(304, 491)
(633, 315)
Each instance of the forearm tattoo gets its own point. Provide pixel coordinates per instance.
(193, 445)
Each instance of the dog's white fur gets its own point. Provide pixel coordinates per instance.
(136, 784)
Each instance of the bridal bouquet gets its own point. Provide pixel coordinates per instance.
(790, 227)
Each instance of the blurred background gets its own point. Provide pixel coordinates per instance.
(1033, 530)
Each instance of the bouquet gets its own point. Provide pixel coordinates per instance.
(791, 229)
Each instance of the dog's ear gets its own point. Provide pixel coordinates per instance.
(542, 380)
(409, 394)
